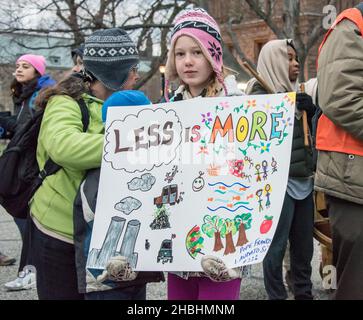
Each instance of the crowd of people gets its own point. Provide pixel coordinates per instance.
(54, 234)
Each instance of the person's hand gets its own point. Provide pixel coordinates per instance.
(305, 103)
(117, 269)
(217, 271)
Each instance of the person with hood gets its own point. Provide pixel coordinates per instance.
(30, 78)
(195, 60)
(340, 146)
(278, 66)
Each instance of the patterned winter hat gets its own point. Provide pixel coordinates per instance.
(199, 25)
(109, 55)
(37, 61)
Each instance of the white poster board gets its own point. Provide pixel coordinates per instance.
(185, 179)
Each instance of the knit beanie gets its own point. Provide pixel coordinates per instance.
(109, 55)
(38, 62)
(123, 99)
(199, 25)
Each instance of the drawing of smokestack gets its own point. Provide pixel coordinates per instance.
(112, 238)
(92, 257)
(129, 240)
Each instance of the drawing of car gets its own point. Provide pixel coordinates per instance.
(166, 252)
(169, 195)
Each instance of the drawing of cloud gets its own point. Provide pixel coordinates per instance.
(127, 205)
(142, 141)
(144, 183)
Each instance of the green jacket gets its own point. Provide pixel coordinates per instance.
(61, 138)
(340, 79)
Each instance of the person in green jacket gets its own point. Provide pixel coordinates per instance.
(110, 59)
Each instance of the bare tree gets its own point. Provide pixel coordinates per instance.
(289, 27)
(148, 21)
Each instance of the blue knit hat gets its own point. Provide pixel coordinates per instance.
(123, 99)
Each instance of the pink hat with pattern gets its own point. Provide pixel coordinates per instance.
(38, 62)
(199, 25)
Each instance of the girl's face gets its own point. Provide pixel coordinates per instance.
(294, 67)
(24, 72)
(191, 65)
(78, 64)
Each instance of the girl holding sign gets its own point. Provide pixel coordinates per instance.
(196, 60)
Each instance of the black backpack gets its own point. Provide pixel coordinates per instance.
(19, 171)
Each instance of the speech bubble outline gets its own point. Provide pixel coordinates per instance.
(135, 117)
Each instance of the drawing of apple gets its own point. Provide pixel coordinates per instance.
(266, 224)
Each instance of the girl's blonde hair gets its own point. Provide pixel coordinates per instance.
(214, 86)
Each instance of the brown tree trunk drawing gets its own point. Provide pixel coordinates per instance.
(242, 238)
(218, 245)
(230, 248)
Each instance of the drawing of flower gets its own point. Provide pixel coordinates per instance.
(267, 107)
(265, 148)
(287, 122)
(251, 104)
(225, 104)
(207, 119)
(203, 149)
(215, 51)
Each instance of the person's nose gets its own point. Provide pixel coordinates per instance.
(188, 59)
(76, 69)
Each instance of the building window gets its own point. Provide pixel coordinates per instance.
(55, 59)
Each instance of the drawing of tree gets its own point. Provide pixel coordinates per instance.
(214, 227)
(230, 230)
(243, 223)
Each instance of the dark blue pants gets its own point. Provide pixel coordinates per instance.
(296, 225)
(130, 293)
(56, 267)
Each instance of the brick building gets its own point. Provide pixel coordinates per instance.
(252, 32)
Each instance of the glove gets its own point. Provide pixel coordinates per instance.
(305, 103)
(117, 269)
(217, 271)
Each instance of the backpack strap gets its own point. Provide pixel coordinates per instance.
(50, 166)
(85, 115)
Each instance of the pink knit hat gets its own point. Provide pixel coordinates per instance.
(38, 62)
(199, 25)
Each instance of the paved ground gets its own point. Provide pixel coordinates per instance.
(10, 243)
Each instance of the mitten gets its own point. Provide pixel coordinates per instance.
(217, 271)
(305, 103)
(117, 269)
